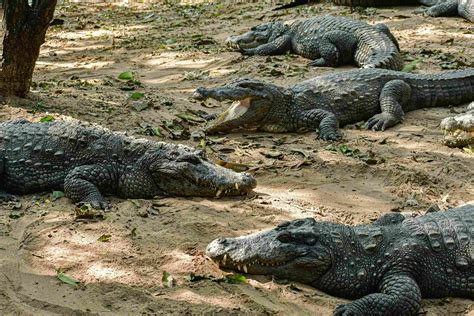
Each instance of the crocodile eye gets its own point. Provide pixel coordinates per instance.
(284, 237)
(189, 158)
(310, 240)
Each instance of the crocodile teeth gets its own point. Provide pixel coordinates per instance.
(219, 193)
(245, 269)
(237, 186)
(238, 267)
(224, 259)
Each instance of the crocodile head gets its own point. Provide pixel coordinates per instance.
(258, 35)
(459, 129)
(296, 250)
(253, 102)
(179, 170)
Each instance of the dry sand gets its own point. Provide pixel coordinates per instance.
(174, 49)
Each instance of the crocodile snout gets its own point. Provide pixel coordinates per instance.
(199, 94)
(232, 42)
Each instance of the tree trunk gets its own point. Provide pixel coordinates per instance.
(25, 29)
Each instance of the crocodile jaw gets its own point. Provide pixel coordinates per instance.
(231, 118)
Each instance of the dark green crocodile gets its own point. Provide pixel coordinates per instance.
(87, 161)
(385, 267)
(436, 8)
(328, 40)
(378, 95)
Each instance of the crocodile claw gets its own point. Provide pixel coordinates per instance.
(345, 310)
(319, 63)
(246, 52)
(382, 121)
(99, 205)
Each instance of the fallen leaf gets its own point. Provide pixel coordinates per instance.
(167, 279)
(57, 195)
(67, 279)
(137, 95)
(104, 238)
(47, 118)
(235, 278)
(237, 167)
(127, 75)
(411, 66)
(272, 154)
(190, 117)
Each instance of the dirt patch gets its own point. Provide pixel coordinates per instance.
(172, 50)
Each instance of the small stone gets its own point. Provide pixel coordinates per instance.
(197, 135)
(411, 202)
(140, 105)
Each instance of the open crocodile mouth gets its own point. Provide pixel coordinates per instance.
(237, 109)
(236, 190)
(229, 117)
(245, 266)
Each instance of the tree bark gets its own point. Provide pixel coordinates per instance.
(25, 29)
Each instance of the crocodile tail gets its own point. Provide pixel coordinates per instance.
(374, 3)
(376, 50)
(442, 89)
(466, 9)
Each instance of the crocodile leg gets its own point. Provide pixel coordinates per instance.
(335, 48)
(278, 46)
(324, 120)
(4, 196)
(443, 8)
(400, 295)
(82, 185)
(394, 94)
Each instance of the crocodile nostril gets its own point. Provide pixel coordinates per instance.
(221, 241)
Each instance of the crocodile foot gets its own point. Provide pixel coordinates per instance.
(330, 135)
(99, 205)
(346, 310)
(321, 62)
(421, 10)
(7, 197)
(381, 122)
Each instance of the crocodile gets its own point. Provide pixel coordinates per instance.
(328, 40)
(435, 8)
(86, 161)
(380, 96)
(385, 268)
(459, 129)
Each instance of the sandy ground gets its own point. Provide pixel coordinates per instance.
(173, 49)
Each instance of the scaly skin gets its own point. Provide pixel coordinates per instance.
(436, 8)
(463, 8)
(328, 40)
(386, 267)
(380, 96)
(87, 161)
(459, 129)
